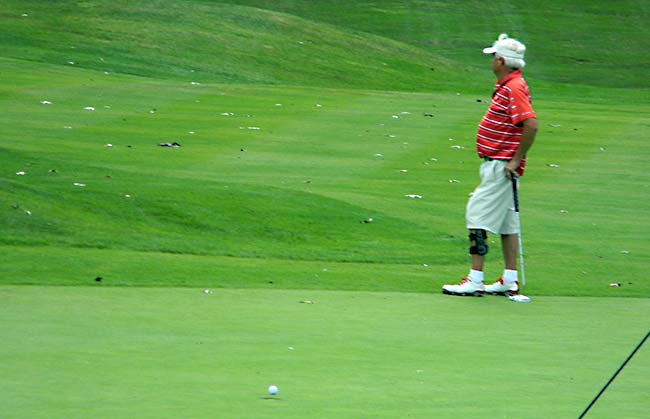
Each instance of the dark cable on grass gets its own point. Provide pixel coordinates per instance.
(614, 376)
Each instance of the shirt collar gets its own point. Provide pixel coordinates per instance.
(515, 74)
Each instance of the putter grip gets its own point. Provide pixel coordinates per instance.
(515, 195)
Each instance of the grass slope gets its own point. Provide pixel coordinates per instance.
(598, 43)
(284, 177)
(201, 42)
(300, 187)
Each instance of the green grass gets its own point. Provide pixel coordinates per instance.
(211, 42)
(300, 187)
(116, 352)
(582, 42)
(297, 121)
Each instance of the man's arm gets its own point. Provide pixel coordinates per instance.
(527, 139)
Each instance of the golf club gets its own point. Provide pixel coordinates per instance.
(614, 376)
(515, 195)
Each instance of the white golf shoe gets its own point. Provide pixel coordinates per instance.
(465, 287)
(502, 288)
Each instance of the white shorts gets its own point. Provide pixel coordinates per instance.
(491, 207)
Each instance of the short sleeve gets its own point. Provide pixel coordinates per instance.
(520, 107)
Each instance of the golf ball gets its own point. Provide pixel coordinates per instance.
(273, 390)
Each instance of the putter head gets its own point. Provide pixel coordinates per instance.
(519, 298)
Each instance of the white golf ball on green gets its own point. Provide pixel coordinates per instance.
(273, 390)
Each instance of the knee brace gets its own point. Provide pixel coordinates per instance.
(478, 242)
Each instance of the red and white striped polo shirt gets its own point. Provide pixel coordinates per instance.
(500, 129)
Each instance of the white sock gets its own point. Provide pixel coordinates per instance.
(476, 276)
(509, 276)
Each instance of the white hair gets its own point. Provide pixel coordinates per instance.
(511, 50)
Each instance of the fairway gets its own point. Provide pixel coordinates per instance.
(152, 353)
(203, 198)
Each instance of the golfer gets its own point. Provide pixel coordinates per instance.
(505, 135)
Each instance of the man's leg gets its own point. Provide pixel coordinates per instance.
(477, 262)
(508, 284)
(509, 245)
(472, 284)
(478, 248)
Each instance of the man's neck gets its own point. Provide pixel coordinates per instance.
(504, 74)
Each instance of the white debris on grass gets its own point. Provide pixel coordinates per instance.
(395, 117)
(318, 105)
(413, 196)
(109, 145)
(89, 108)
(28, 212)
(454, 181)
(554, 125)
(228, 114)
(564, 212)
(625, 252)
(195, 83)
(251, 128)
(21, 173)
(404, 171)
(71, 62)
(457, 147)
(67, 127)
(554, 166)
(81, 185)
(46, 102)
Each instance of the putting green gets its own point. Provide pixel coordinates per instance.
(170, 352)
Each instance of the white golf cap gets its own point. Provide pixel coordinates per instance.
(506, 47)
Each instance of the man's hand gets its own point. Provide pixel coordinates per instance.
(511, 168)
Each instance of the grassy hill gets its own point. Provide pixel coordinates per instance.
(383, 45)
(304, 127)
(213, 42)
(580, 42)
